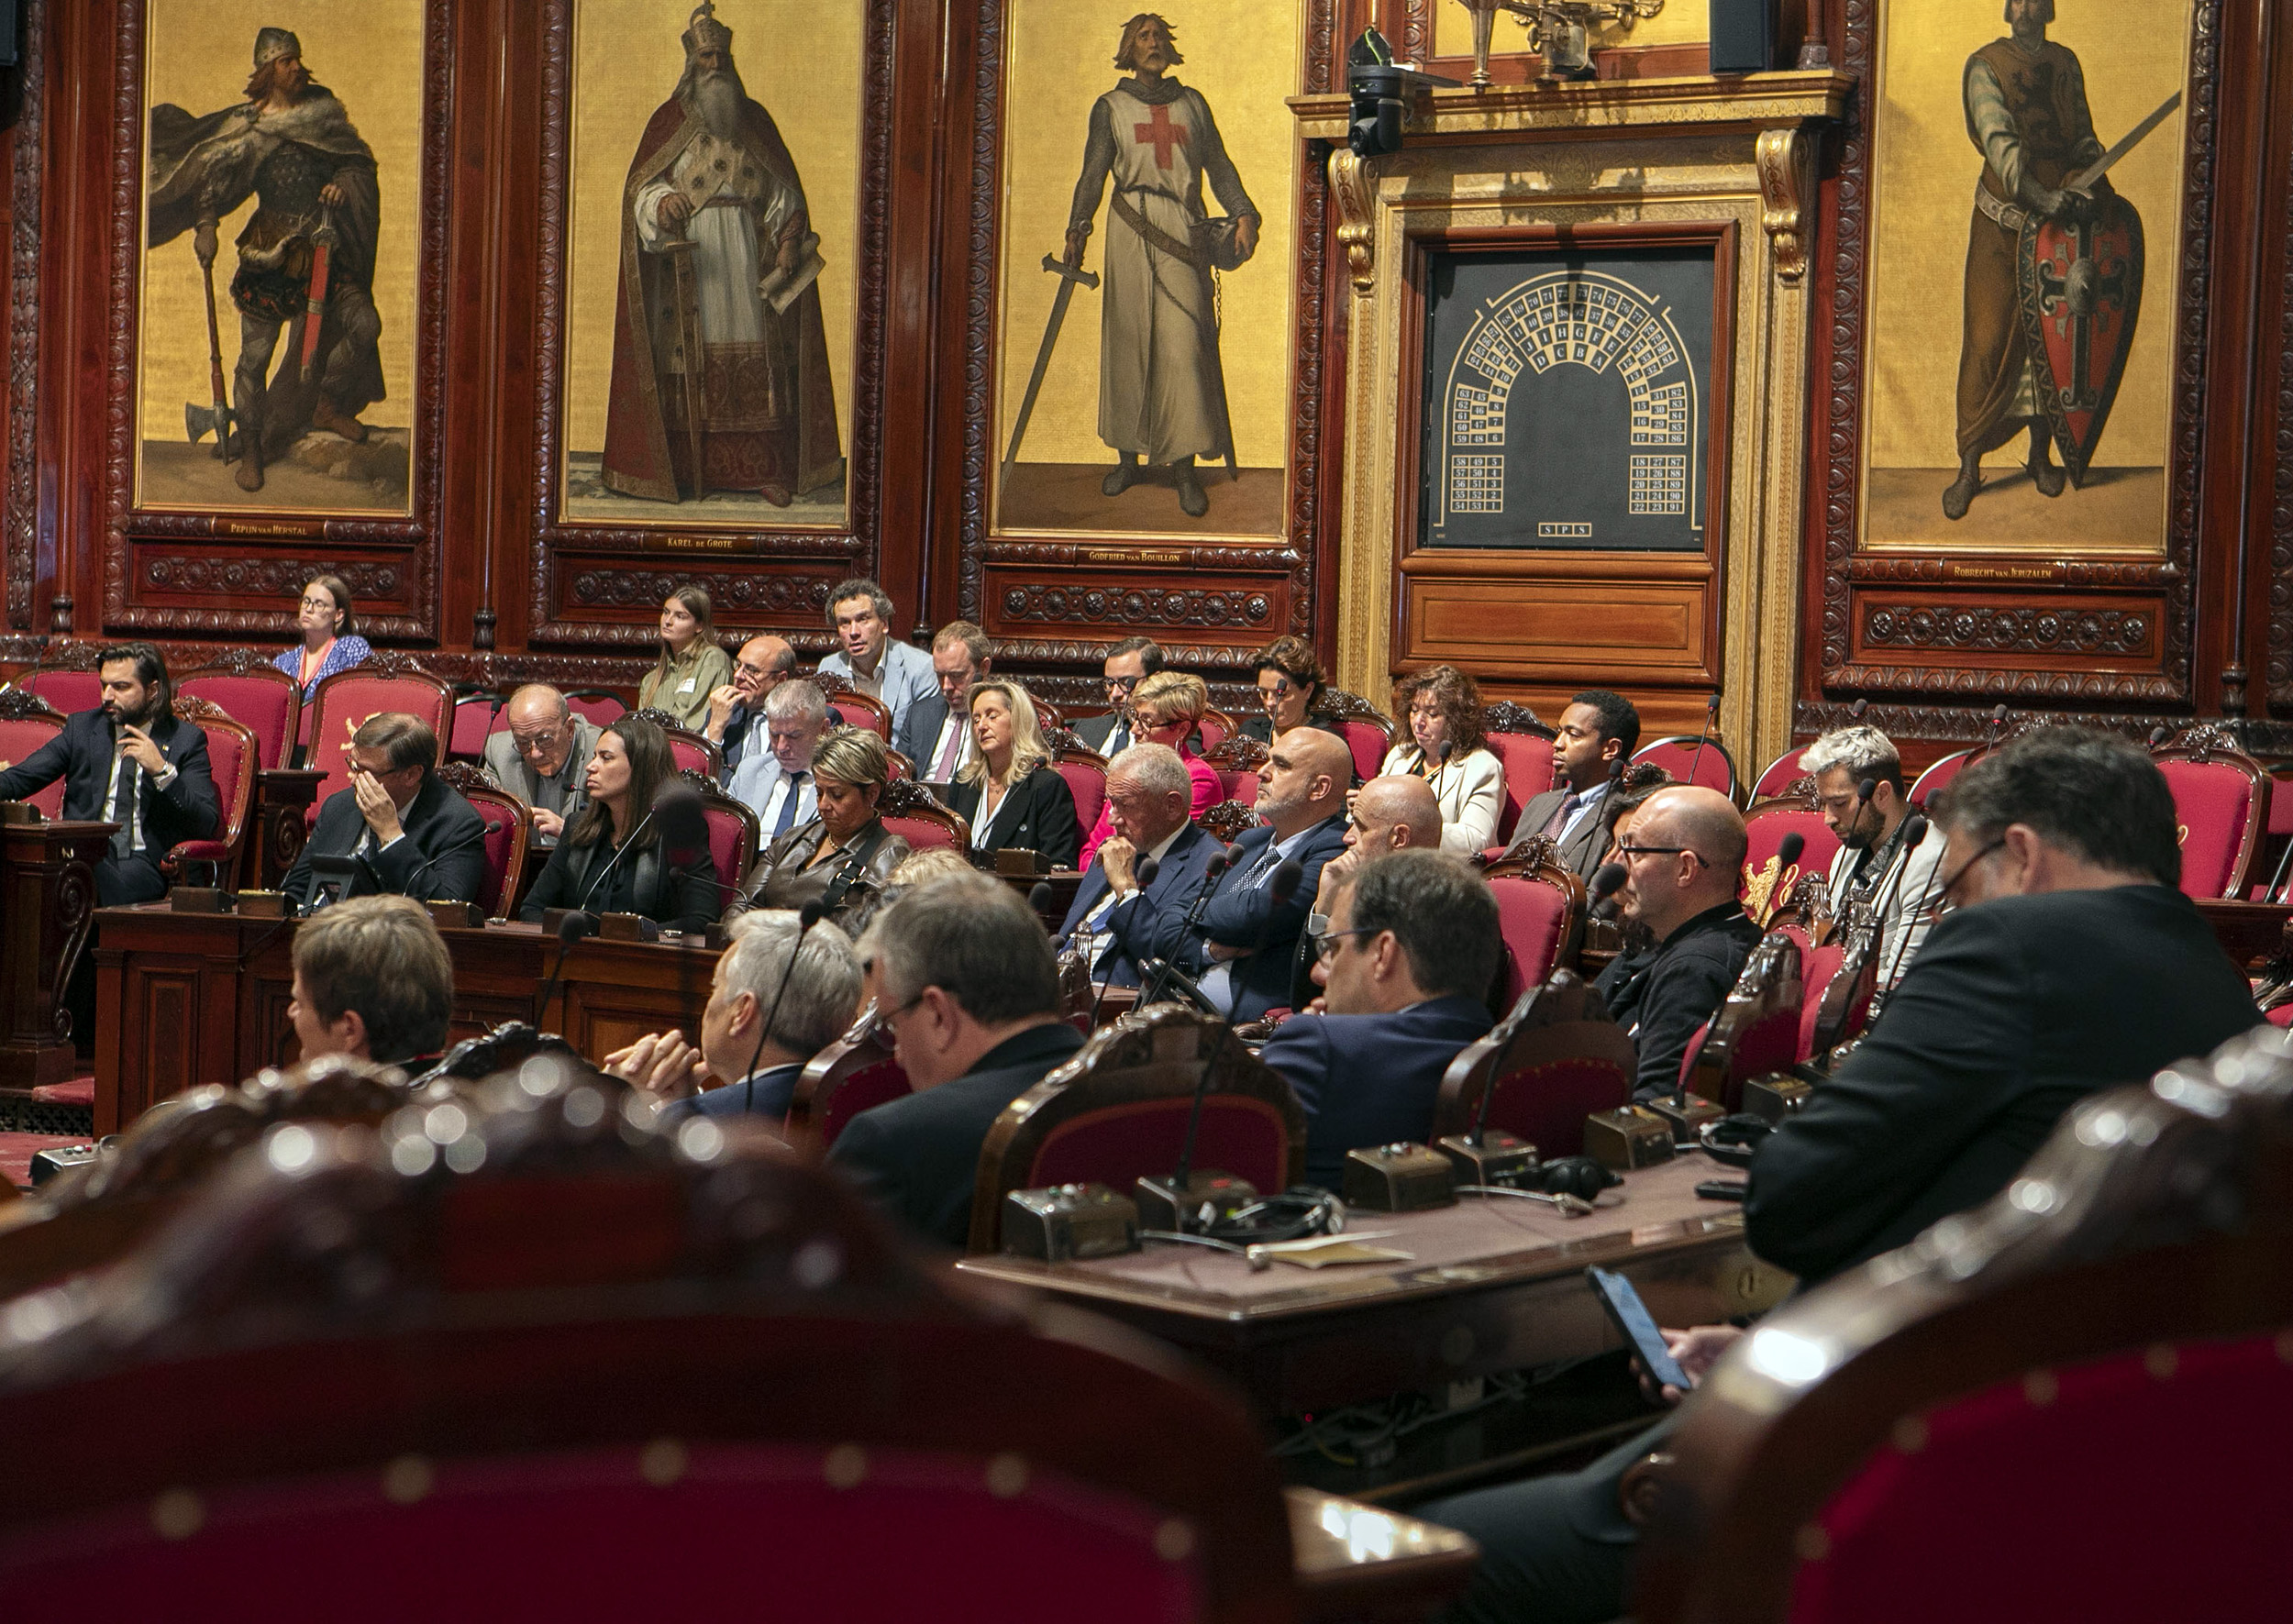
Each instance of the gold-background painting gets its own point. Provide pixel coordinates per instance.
(2133, 54)
(1244, 56)
(1682, 22)
(801, 60)
(197, 54)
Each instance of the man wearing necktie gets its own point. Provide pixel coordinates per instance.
(129, 761)
(936, 735)
(778, 782)
(1128, 664)
(1598, 733)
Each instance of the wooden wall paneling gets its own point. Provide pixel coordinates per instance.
(1056, 602)
(234, 574)
(598, 587)
(2273, 437)
(1948, 657)
(20, 338)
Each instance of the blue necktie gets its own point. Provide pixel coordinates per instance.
(781, 824)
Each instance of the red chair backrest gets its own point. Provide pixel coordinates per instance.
(263, 699)
(347, 699)
(854, 708)
(1119, 1144)
(20, 737)
(508, 829)
(1778, 775)
(1554, 1060)
(857, 1072)
(233, 762)
(1215, 728)
(2223, 807)
(2281, 1015)
(1757, 1028)
(604, 709)
(692, 756)
(1817, 966)
(732, 841)
(1528, 764)
(1764, 883)
(1088, 784)
(916, 815)
(1931, 782)
(1368, 743)
(1534, 916)
(475, 716)
(1678, 753)
(69, 692)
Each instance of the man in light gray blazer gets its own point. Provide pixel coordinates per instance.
(1598, 732)
(543, 759)
(870, 658)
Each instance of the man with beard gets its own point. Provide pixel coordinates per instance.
(293, 148)
(2026, 112)
(1162, 391)
(713, 221)
(1871, 868)
(129, 761)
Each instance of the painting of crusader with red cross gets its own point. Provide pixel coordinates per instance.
(1162, 392)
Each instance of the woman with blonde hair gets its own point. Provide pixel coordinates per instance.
(1165, 709)
(1009, 791)
(691, 667)
(844, 856)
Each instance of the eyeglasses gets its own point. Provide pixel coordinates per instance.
(1325, 943)
(1950, 886)
(1279, 690)
(1629, 852)
(528, 743)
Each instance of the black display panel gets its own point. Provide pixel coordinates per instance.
(1566, 399)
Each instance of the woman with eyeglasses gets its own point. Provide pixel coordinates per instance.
(612, 860)
(328, 644)
(1009, 791)
(1448, 749)
(1290, 692)
(1165, 709)
(844, 856)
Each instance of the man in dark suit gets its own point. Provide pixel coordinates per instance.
(1680, 868)
(1128, 664)
(1411, 949)
(1596, 739)
(2071, 962)
(131, 762)
(1243, 951)
(936, 735)
(419, 837)
(1116, 919)
(967, 975)
(764, 663)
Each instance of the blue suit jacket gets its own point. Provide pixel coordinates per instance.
(1243, 915)
(766, 1095)
(1370, 1079)
(1140, 923)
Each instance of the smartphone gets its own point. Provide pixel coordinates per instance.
(1631, 1319)
(1723, 1189)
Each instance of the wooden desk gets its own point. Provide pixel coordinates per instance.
(2250, 933)
(1494, 1283)
(1356, 1562)
(47, 898)
(187, 998)
(1064, 884)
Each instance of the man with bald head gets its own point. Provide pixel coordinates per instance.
(1117, 911)
(1244, 949)
(765, 663)
(1681, 860)
(543, 759)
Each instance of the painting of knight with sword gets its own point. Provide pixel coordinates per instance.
(2054, 262)
(304, 262)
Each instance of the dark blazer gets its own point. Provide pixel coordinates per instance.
(2014, 1010)
(1097, 731)
(1038, 812)
(1662, 996)
(1136, 921)
(439, 824)
(1261, 726)
(1585, 844)
(683, 896)
(739, 734)
(848, 890)
(1370, 1079)
(917, 1157)
(1241, 915)
(767, 1094)
(82, 753)
(919, 731)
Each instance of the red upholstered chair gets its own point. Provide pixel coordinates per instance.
(692, 752)
(1757, 1028)
(1817, 966)
(233, 759)
(602, 708)
(1215, 728)
(916, 815)
(414, 1375)
(1117, 1112)
(1236, 762)
(1765, 882)
(734, 835)
(509, 834)
(28, 722)
(1779, 776)
(252, 691)
(2278, 1014)
(852, 708)
(1540, 913)
(857, 1072)
(1974, 1426)
(1931, 782)
(1229, 819)
(475, 716)
(1086, 774)
(1678, 753)
(2221, 796)
(1524, 748)
(384, 683)
(1555, 1059)
(1368, 731)
(69, 693)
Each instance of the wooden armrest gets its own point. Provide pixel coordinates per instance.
(1352, 1560)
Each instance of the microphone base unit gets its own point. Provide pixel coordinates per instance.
(1208, 1199)
(198, 898)
(262, 905)
(627, 927)
(1399, 1178)
(1776, 1097)
(1629, 1136)
(1067, 1221)
(1493, 1158)
(449, 914)
(1687, 1113)
(553, 920)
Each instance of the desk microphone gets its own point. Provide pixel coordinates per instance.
(1220, 861)
(1711, 715)
(2160, 734)
(1787, 851)
(807, 917)
(571, 929)
(1855, 711)
(1144, 874)
(1607, 881)
(1280, 886)
(1914, 831)
(464, 844)
(1168, 975)
(625, 848)
(1998, 727)
(1039, 897)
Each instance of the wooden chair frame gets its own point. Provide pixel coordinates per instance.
(395, 667)
(241, 663)
(1687, 740)
(711, 752)
(1562, 1019)
(478, 787)
(866, 1044)
(714, 798)
(2207, 743)
(1538, 859)
(1767, 992)
(841, 691)
(1229, 819)
(21, 704)
(231, 830)
(904, 798)
(1157, 1052)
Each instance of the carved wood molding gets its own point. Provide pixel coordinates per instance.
(1353, 186)
(1967, 724)
(742, 597)
(2129, 574)
(2025, 629)
(417, 536)
(1845, 408)
(1194, 560)
(2280, 671)
(1782, 157)
(22, 519)
(854, 544)
(1132, 608)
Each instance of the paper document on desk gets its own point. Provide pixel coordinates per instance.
(1317, 1252)
(780, 289)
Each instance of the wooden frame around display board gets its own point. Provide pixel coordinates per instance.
(1634, 575)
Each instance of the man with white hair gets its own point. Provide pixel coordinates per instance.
(1117, 912)
(543, 759)
(777, 781)
(1873, 870)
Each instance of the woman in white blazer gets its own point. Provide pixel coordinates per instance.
(1447, 748)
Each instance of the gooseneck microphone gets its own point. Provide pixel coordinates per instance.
(1220, 861)
(1914, 831)
(1787, 851)
(807, 917)
(424, 866)
(627, 845)
(1143, 876)
(571, 929)
(2160, 734)
(1712, 716)
(1607, 881)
